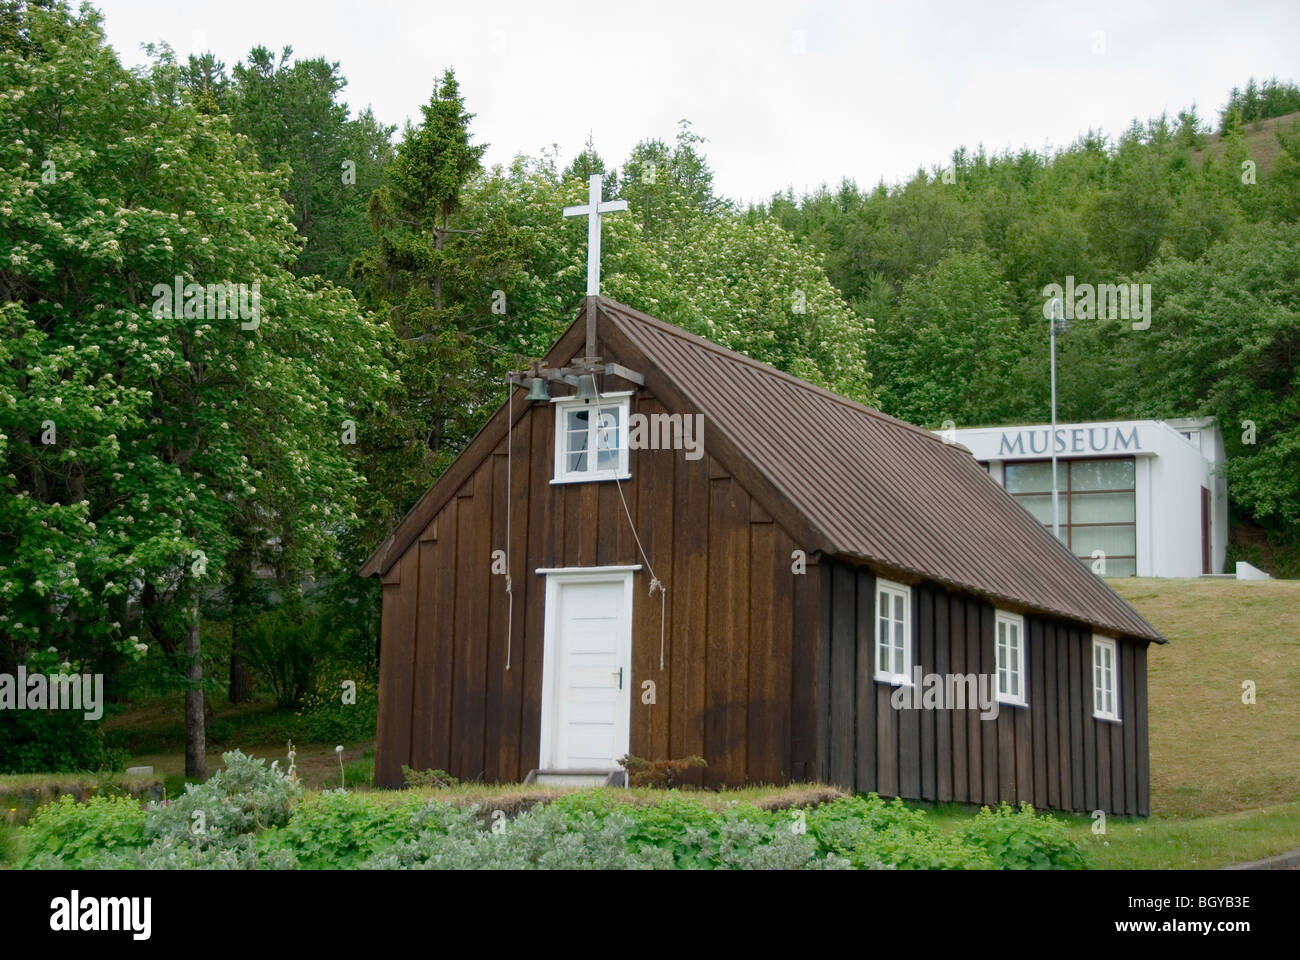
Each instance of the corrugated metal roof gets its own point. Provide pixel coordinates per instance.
(878, 489)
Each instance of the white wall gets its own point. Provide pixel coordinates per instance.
(1170, 471)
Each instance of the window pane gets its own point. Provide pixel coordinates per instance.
(1117, 540)
(1101, 508)
(1101, 474)
(1032, 477)
(607, 431)
(575, 438)
(1039, 506)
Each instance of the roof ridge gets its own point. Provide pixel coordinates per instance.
(767, 368)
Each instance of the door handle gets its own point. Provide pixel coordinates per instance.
(620, 678)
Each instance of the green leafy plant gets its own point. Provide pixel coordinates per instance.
(1022, 840)
(70, 835)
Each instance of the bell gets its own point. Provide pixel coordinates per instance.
(537, 389)
(587, 387)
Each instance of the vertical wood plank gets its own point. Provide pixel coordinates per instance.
(727, 667)
(865, 695)
(990, 739)
(961, 789)
(943, 719)
(1036, 651)
(925, 633)
(1051, 708)
(975, 725)
(843, 690)
(806, 645)
(1080, 715)
(689, 614)
(396, 660)
(545, 519)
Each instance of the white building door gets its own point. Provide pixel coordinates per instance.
(586, 670)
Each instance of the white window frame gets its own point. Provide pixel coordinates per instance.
(1006, 622)
(1099, 644)
(562, 407)
(893, 590)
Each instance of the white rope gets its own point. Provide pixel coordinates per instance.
(510, 489)
(655, 582)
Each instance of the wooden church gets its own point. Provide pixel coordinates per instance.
(667, 549)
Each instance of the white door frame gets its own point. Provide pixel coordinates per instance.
(555, 578)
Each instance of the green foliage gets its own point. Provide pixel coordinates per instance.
(71, 835)
(253, 817)
(240, 800)
(175, 436)
(360, 772)
(1021, 840)
(10, 848)
(325, 718)
(339, 829)
(46, 741)
(284, 650)
(1272, 98)
(439, 779)
(869, 832)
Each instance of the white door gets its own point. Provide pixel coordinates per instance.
(586, 671)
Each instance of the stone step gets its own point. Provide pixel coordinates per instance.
(578, 778)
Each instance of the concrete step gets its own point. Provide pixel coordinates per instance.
(578, 778)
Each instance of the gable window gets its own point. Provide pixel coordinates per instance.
(893, 632)
(591, 439)
(1010, 648)
(1105, 679)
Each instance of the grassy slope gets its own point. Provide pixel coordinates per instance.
(1210, 753)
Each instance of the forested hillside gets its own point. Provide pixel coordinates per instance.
(951, 268)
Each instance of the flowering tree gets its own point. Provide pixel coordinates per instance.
(140, 432)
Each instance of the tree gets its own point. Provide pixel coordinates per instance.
(134, 426)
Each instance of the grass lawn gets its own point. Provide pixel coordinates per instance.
(1211, 753)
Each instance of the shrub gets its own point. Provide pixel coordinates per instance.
(70, 835)
(872, 833)
(324, 717)
(243, 798)
(285, 653)
(1023, 840)
(738, 844)
(660, 774)
(43, 741)
(542, 838)
(340, 829)
(440, 779)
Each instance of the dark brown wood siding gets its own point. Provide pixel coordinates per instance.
(1051, 753)
(743, 666)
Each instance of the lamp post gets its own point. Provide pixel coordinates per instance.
(1052, 327)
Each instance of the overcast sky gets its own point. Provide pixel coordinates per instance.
(788, 93)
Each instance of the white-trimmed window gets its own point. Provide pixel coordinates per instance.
(1009, 644)
(591, 439)
(1105, 679)
(893, 632)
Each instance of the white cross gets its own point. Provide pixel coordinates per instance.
(592, 209)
